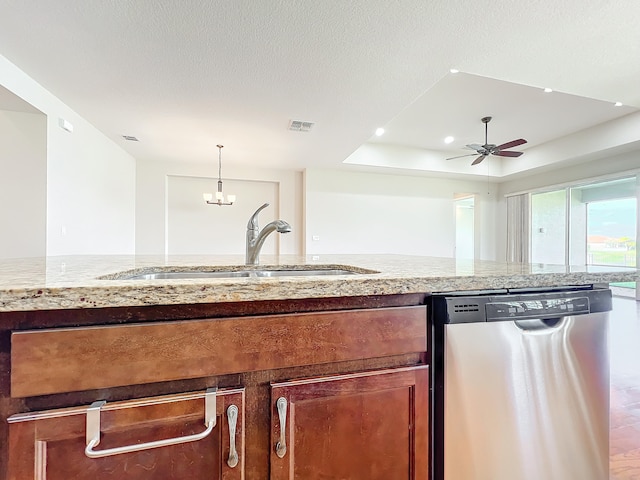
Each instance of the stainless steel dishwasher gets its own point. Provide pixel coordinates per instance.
(521, 384)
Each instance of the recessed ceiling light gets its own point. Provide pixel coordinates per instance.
(548, 90)
(618, 104)
(379, 131)
(454, 70)
(130, 138)
(449, 139)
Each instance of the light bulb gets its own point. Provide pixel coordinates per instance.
(207, 197)
(219, 196)
(231, 198)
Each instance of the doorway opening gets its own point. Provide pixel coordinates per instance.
(464, 205)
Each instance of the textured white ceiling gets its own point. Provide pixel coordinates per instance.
(185, 76)
(455, 105)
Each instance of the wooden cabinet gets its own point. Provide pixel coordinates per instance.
(51, 444)
(358, 426)
(361, 426)
(354, 378)
(48, 361)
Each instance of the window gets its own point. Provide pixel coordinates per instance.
(605, 213)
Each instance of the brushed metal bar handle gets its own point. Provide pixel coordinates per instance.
(281, 446)
(93, 430)
(232, 418)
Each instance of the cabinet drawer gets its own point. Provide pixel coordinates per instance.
(86, 358)
(51, 444)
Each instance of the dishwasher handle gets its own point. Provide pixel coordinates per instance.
(540, 324)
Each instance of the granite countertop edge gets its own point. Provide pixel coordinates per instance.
(79, 281)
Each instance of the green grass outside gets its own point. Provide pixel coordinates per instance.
(625, 259)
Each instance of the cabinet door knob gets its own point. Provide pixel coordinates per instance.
(232, 418)
(93, 430)
(281, 446)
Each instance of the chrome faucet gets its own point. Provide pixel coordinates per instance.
(255, 237)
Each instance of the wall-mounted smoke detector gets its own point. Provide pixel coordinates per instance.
(300, 126)
(130, 138)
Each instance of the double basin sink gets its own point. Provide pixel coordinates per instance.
(239, 272)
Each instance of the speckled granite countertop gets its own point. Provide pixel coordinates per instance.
(96, 281)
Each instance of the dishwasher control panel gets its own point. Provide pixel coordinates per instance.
(536, 308)
(495, 306)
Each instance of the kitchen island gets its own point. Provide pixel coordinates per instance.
(256, 365)
(94, 281)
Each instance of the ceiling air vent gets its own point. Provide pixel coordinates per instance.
(300, 126)
(130, 138)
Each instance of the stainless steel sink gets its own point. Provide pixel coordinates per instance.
(166, 275)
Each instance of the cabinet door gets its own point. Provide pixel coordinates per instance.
(362, 426)
(51, 445)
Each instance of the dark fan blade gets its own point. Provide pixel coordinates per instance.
(512, 143)
(460, 156)
(508, 154)
(475, 146)
(479, 159)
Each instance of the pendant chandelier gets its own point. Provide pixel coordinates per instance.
(208, 197)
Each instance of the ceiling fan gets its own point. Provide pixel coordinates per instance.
(491, 149)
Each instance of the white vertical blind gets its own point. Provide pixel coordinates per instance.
(518, 228)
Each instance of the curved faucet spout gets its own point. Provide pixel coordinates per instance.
(256, 238)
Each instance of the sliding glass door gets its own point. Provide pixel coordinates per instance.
(603, 222)
(592, 224)
(611, 232)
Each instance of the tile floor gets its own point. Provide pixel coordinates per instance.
(624, 334)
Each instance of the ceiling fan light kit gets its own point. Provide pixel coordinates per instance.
(483, 151)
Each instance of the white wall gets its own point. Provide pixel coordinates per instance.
(23, 184)
(606, 164)
(90, 179)
(152, 203)
(195, 227)
(355, 212)
(601, 141)
(414, 158)
(548, 227)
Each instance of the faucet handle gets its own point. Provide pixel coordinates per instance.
(253, 221)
